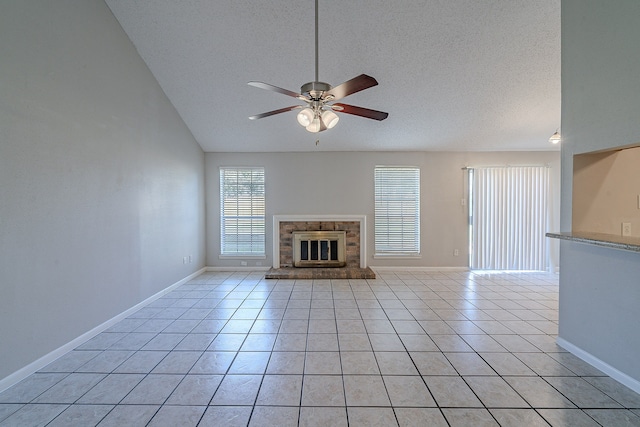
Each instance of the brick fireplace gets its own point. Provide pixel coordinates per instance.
(354, 227)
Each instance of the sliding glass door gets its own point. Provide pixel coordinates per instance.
(508, 216)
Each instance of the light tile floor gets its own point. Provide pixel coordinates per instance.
(409, 348)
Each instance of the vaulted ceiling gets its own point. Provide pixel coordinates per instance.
(454, 75)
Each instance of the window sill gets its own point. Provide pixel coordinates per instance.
(238, 256)
(397, 256)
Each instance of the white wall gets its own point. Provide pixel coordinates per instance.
(101, 183)
(342, 183)
(600, 101)
(600, 109)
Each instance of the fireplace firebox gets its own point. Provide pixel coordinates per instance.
(319, 248)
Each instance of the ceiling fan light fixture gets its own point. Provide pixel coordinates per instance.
(330, 119)
(305, 117)
(318, 115)
(315, 125)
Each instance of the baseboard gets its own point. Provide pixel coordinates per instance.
(254, 268)
(375, 268)
(33, 367)
(614, 373)
(379, 268)
(425, 269)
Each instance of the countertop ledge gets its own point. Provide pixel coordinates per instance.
(600, 239)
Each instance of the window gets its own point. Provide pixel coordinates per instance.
(242, 207)
(397, 210)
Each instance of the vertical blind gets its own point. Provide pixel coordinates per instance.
(509, 218)
(397, 210)
(242, 211)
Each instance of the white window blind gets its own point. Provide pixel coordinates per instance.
(242, 211)
(509, 211)
(397, 210)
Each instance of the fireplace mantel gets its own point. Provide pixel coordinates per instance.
(277, 219)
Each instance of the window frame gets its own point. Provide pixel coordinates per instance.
(389, 202)
(256, 213)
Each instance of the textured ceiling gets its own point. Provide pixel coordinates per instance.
(454, 75)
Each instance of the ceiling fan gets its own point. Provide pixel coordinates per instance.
(318, 113)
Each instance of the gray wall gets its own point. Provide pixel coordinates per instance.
(600, 110)
(101, 183)
(342, 183)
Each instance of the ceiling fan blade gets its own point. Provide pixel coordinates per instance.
(274, 112)
(273, 88)
(354, 85)
(360, 111)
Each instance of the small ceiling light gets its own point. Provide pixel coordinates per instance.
(330, 119)
(305, 117)
(555, 138)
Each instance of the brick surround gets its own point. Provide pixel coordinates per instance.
(351, 227)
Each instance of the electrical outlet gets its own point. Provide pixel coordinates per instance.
(184, 260)
(243, 263)
(456, 252)
(626, 229)
(190, 259)
(638, 201)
